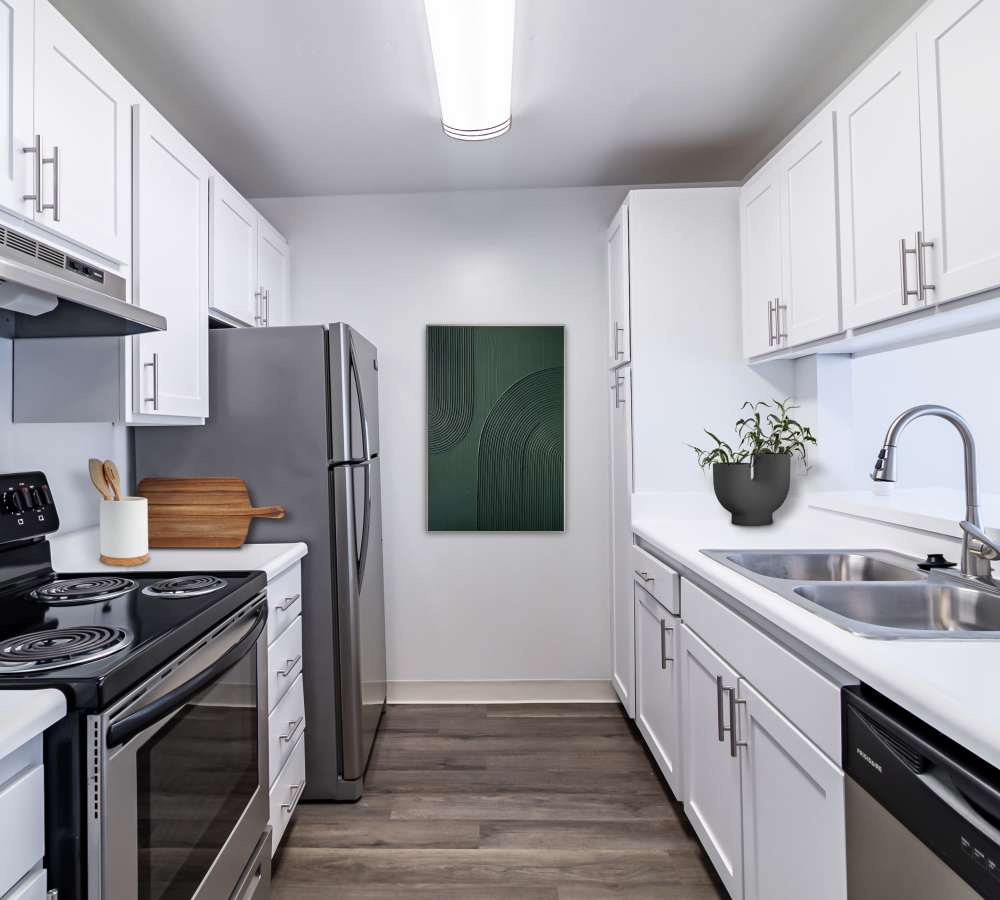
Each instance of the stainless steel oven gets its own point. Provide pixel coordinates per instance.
(177, 801)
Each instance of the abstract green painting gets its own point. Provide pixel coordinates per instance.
(495, 448)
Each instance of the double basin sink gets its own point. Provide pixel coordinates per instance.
(872, 593)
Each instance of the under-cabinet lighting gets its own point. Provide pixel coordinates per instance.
(473, 46)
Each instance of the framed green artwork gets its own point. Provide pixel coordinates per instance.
(495, 428)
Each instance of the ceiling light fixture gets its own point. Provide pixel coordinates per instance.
(473, 46)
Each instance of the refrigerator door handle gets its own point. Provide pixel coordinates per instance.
(356, 376)
(365, 527)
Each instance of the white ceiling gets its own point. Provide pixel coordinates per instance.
(307, 97)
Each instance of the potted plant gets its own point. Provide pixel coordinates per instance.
(751, 480)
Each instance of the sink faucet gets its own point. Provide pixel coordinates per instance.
(978, 549)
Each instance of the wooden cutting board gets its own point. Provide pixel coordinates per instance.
(201, 512)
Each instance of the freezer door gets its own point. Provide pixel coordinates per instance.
(353, 396)
(356, 491)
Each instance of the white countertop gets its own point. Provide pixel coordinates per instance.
(78, 551)
(951, 684)
(25, 714)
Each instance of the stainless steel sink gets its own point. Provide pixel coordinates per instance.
(873, 593)
(824, 565)
(926, 606)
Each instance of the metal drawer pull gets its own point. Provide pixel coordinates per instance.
(771, 304)
(904, 278)
(779, 334)
(619, 381)
(267, 308)
(155, 399)
(619, 354)
(293, 727)
(53, 160)
(289, 601)
(258, 297)
(718, 702)
(293, 796)
(36, 148)
(664, 628)
(645, 576)
(734, 701)
(922, 286)
(290, 664)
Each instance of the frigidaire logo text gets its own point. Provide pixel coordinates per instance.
(868, 760)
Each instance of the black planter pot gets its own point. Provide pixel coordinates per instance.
(752, 501)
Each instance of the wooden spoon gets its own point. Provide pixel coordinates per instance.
(97, 476)
(112, 478)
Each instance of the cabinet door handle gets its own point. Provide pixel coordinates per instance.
(779, 333)
(718, 707)
(770, 322)
(53, 160)
(619, 381)
(664, 628)
(290, 665)
(258, 294)
(904, 277)
(619, 354)
(36, 168)
(292, 728)
(922, 286)
(734, 743)
(287, 602)
(155, 365)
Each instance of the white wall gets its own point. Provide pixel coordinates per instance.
(60, 451)
(474, 606)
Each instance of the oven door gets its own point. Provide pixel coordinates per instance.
(179, 790)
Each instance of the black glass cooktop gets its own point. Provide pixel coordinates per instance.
(97, 635)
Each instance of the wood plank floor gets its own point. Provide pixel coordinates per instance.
(541, 802)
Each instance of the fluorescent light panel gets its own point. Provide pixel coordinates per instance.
(473, 46)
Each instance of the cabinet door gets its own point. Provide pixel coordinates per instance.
(810, 307)
(878, 160)
(170, 374)
(711, 768)
(622, 612)
(760, 246)
(657, 684)
(794, 838)
(619, 319)
(17, 37)
(235, 285)
(83, 114)
(272, 261)
(959, 49)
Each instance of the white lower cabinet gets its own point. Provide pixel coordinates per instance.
(622, 602)
(22, 816)
(793, 808)
(712, 773)
(657, 684)
(31, 887)
(286, 791)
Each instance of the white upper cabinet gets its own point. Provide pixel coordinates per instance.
(83, 118)
(17, 18)
(793, 808)
(273, 269)
(760, 239)
(235, 288)
(619, 325)
(171, 184)
(810, 296)
(881, 196)
(958, 42)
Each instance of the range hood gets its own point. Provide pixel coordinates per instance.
(46, 293)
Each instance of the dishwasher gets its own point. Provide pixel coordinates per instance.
(923, 813)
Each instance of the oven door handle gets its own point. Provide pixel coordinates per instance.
(122, 730)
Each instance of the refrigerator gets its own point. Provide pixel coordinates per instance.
(294, 413)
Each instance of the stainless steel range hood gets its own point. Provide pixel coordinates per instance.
(46, 293)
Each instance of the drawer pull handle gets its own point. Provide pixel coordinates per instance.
(293, 727)
(664, 628)
(290, 665)
(290, 600)
(645, 576)
(293, 796)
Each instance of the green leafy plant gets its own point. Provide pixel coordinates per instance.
(765, 427)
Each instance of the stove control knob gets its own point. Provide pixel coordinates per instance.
(46, 495)
(38, 501)
(26, 497)
(13, 502)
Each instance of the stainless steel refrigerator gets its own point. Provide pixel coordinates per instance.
(294, 412)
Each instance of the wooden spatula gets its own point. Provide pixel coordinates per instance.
(112, 478)
(97, 477)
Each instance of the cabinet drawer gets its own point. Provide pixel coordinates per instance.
(807, 698)
(22, 825)
(286, 792)
(31, 887)
(285, 726)
(284, 663)
(657, 579)
(284, 601)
